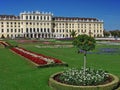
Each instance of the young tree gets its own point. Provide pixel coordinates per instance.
(84, 43)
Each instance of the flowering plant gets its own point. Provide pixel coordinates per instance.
(38, 59)
(76, 77)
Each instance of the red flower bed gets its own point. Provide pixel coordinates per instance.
(5, 44)
(38, 59)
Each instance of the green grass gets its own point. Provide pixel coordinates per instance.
(16, 73)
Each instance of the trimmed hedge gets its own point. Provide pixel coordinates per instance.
(60, 86)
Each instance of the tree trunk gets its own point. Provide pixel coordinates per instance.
(84, 62)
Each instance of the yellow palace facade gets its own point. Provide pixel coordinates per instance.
(46, 25)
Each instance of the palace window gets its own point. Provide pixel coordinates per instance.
(97, 31)
(66, 30)
(2, 30)
(44, 29)
(33, 17)
(26, 17)
(27, 30)
(30, 29)
(18, 30)
(40, 17)
(22, 30)
(34, 30)
(37, 29)
(37, 17)
(30, 17)
(44, 17)
(41, 30)
(82, 31)
(48, 30)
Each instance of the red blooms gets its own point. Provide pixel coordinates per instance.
(38, 59)
(5, 44)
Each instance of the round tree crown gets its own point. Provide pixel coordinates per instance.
(84, 42)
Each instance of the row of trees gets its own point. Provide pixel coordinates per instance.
(112, 33)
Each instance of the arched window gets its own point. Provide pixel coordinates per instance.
(26, 17)
(48, 30)
(30, 17)
(27, 30)
(44, 29)
(63, 35)
(33, 29)
(37, 17)
(7, 35)
(33, 17)
(41, 30)
(44, 18)
(66, 35)
(30, 29)
(40, 17)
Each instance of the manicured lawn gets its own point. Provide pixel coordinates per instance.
(16, 73)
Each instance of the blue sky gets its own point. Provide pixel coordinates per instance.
(107, 10)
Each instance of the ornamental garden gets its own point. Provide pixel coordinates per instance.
(37, 64)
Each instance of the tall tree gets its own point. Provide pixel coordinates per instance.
(115, 33)
(106, 33)
(84, 43)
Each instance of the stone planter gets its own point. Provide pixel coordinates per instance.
(55, 85)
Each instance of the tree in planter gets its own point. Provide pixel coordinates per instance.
(84, 43)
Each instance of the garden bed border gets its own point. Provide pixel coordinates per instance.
(55, 85)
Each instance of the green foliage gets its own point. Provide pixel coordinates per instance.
(76, 77)
(16, 73)
(55, 85)
(115, 33)
(84, 42)
(106, 33)
(73, 33)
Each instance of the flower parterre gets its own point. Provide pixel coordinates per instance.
(38, 59)
(5, 44)
(76, 77)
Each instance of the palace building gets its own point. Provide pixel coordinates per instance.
(46, 25)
